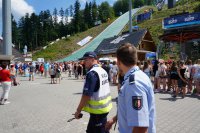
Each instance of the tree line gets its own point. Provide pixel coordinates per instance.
(37, 31)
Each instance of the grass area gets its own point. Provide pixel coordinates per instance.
(67, 46)
(154, 25)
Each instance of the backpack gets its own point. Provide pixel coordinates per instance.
(187, 74)
(162, 73)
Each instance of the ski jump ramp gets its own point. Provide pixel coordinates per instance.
(112, 30)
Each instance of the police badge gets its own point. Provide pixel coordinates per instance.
(137, 102)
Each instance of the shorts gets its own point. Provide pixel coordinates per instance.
(181, 83)
(174, 76)
(12, 77)
(114, 73)
(52, 76)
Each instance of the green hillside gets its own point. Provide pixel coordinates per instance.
(155, 24)
(64, 47)
(67, 46)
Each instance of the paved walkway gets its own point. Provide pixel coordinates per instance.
(40, 107)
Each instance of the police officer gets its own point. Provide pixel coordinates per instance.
(96, 98)
(136, 104)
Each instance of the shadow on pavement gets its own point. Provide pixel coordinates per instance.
(78, 93)
(79, 81)
(46, 83)
(193, 96)
(25, 80)
(171, 99)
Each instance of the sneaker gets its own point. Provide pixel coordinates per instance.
(174, 96)
(6, 102)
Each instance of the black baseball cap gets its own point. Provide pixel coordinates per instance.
(89, 54)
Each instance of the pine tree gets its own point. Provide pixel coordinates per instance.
(86, 14)
(15, 33)
(90, 19)
(67, 15)
(61, 12)
(55, 16)
(94, 11)
(71, 11)
(105, 12)
(77, 16)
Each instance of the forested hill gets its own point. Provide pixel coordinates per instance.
(38, 30)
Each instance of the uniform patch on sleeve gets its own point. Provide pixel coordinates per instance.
(137, 102)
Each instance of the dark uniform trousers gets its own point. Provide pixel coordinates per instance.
(97, 123)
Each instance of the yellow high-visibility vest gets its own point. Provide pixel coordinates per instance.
(101, 101)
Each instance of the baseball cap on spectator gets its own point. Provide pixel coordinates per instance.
(89, 55)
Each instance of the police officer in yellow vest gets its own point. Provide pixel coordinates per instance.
(96, 98)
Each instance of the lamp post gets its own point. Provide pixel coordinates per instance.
(7, 33)
(130, 16)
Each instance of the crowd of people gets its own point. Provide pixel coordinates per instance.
(176, 76)
(137, 82)
(167, 76)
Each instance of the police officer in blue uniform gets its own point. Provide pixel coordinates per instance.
(96, 99)
(136, 103)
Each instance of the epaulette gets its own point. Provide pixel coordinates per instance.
(132, 79)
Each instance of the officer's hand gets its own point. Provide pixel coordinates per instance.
(77, 115)
(109, 124)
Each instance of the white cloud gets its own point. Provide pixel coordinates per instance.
(64, 19)
(18, 8)
(83, 1)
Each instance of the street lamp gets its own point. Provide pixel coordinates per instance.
(130, 16)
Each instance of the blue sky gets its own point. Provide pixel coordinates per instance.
(21, 7)
(51, 4)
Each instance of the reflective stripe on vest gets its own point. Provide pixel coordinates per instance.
(100, 109)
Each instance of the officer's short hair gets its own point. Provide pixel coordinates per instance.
(127, 54)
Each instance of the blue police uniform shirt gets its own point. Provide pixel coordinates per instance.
(136, 103)
(91, 83)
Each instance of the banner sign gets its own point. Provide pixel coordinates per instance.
(84, 41)
(40, 59)
(144, 16)
(181, 20)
